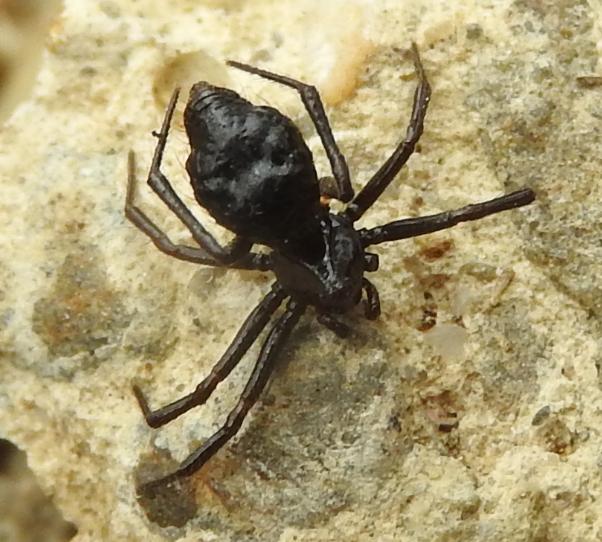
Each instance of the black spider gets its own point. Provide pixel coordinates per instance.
(252, 171)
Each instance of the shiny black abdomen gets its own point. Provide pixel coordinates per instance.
(249, 166)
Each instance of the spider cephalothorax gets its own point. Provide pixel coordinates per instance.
(250, 168)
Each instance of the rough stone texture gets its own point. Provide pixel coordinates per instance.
(472, 410)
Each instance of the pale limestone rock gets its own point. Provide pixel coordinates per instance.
(353, 440)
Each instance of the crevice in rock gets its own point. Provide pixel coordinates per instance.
(26, 513)
(24, 26)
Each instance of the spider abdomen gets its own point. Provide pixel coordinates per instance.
(249, 166)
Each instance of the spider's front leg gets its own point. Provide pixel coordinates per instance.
(372, 301)
(413, 227)
(237, 249)
(245, 337)
(340, 329)
(257, 382)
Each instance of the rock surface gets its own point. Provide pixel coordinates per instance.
(472, 410)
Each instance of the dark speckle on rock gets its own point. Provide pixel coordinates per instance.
(82, 311)
(541, 415)
(474, 31)
(556, 437)
(171, 505)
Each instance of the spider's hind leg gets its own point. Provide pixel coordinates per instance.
(387, 172)
(237, 249)
(341, 188)
(160, 239)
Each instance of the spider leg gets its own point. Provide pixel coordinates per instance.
(183, 252)
(413, 227)
(341, 329)
(257, 381)
(372, 301)
(245, 337)
(328, 187)
(238, 248)
(387, 172)
(313, 104)
(371, 262)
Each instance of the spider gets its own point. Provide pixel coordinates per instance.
(252, 171)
